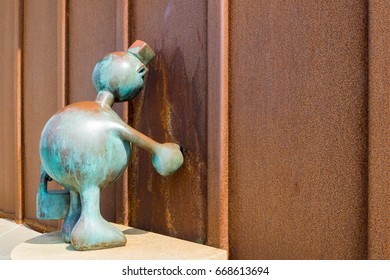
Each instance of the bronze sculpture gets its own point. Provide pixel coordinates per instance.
(86, 147)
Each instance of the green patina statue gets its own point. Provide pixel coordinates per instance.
(86, 147)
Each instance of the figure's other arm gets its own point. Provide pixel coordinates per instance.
(166, 158)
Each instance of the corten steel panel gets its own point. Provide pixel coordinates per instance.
(39, 90)
(92, 35)
(8, 172)
(298, 130)
(379, 131)
(218, 123)
(172, 108)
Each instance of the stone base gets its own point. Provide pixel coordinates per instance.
(141, 245)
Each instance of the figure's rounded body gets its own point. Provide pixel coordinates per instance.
(82, 150)
(86, 147)
(80, 146)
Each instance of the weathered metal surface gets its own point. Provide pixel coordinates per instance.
(379, 131)
(85, 147)
(298, 130)
(39, 93)
(218, 124)
(275, 39)
(8, 170)
(18, 85)
(177, 91)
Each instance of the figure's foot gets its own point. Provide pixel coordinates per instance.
(68, 226)
(96, 233)
(72, 217)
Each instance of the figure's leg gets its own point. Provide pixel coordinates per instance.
(92, 231)
(72, 217)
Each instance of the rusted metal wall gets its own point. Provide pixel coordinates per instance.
(172, 108)
(298, 129)
(285, 158)
(54, 45)
(8, 147)
(39, 90)
(379, 131)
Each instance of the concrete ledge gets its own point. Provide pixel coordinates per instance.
(141, 245)
(11, 235)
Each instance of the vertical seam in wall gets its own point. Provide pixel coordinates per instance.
(67, 55)
(367, 124)
(229, 79)
(18, 88)
(130, 110)
(217, 124)
(61, 53)
(225, 116)
(122, 41)
(62, 74)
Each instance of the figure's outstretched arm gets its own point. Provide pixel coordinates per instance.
(166, 157)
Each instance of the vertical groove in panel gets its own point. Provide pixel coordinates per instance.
(18, 53)
(61, 53)
(122, 25)
(217, 123)
(61, 58)
(122, 42)
(379, 131)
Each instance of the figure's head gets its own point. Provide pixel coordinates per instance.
(122, 73)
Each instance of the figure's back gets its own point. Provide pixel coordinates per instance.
(79, 146)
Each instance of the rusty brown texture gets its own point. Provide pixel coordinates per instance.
(5, 215)
(122, 44)
(8, 117)
(379, 131)
(298, 129)
(217, 124)
(39, 91)
(41, 226)
(172, 108)
(18, 92)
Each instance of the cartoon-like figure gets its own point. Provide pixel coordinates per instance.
(86, 147)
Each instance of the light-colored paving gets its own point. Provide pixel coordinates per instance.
(20, 242)
(141, 245)
(11, 235)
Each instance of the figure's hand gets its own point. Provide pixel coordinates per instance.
(167, 158)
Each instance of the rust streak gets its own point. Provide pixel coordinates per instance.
(6, 215)
(37, 226)
(122, 43)
(165, 113)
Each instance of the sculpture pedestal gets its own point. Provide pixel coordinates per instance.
(141, 245)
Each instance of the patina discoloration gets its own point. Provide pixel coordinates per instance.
(86, 147)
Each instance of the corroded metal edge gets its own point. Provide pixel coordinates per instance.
(218, 124)
(18, 89)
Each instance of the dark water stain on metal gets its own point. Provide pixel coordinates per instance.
(171, 109)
